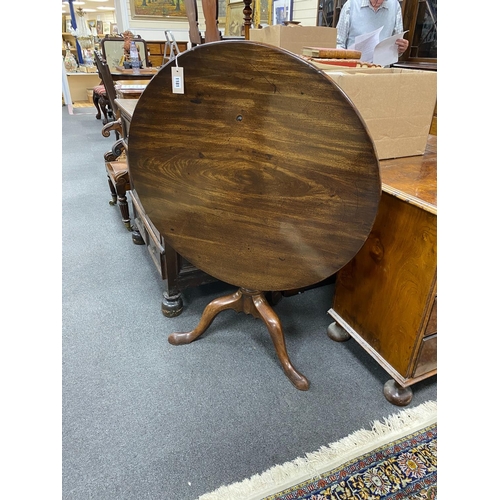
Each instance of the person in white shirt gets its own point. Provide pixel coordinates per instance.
(359, 17)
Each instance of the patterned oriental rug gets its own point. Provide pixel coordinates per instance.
(395, 460)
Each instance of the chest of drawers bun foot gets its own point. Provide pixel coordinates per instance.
(397, 394)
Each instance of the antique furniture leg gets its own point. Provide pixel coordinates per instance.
(103, 104)
(172, 305)
(123, 204)
(394, 392)
(95, 100)
(337, 333)
(137, 238)
(397, 394)
(119, 193)
(254, 303)
(121, 184)
(114, 197)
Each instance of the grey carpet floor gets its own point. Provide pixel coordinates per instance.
(146, 420)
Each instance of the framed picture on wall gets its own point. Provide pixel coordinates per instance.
(282, 11)
(235, 23)
(262, 14)
(92, 26)
(155, 9)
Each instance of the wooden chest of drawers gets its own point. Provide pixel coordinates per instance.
(386, 297)
(157, 51)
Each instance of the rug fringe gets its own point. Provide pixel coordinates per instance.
(283, 476)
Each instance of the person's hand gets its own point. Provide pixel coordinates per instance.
(402, 45)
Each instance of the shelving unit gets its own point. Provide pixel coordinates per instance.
(68, 38)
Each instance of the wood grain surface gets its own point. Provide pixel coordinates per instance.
(414, 178)
(262, 173)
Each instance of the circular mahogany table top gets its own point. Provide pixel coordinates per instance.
(262, 173)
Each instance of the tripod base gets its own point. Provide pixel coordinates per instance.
(254, 303)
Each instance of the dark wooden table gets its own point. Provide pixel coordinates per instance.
(386, 297)
(262, 174)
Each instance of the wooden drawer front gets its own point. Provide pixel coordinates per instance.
(157, 254)
(432, 323)
(150, 237)
(156, 50)
(427, 358)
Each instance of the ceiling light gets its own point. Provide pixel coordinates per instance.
(89, 10)
(103, 1)
(106, 8)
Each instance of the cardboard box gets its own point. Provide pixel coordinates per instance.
(294, 38)
(397, 106)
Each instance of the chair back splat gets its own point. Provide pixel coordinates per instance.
(107, 80)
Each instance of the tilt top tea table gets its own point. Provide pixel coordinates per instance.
(262, 174)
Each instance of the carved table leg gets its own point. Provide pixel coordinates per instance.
(215, 307)
(273, 324)
(337, 333)
(254, 303)
(172, 305)
(397, 394)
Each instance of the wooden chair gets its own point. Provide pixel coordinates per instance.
(100, 100)
(211, 13)
(116, 165)
(111, 120)
(106, 100)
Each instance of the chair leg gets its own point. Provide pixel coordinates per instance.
(103, 106)
(121, 190)
(123, 204)
(112, 202)
(95, 99)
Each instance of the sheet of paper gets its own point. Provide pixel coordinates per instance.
(386, 52)
(366, 44)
